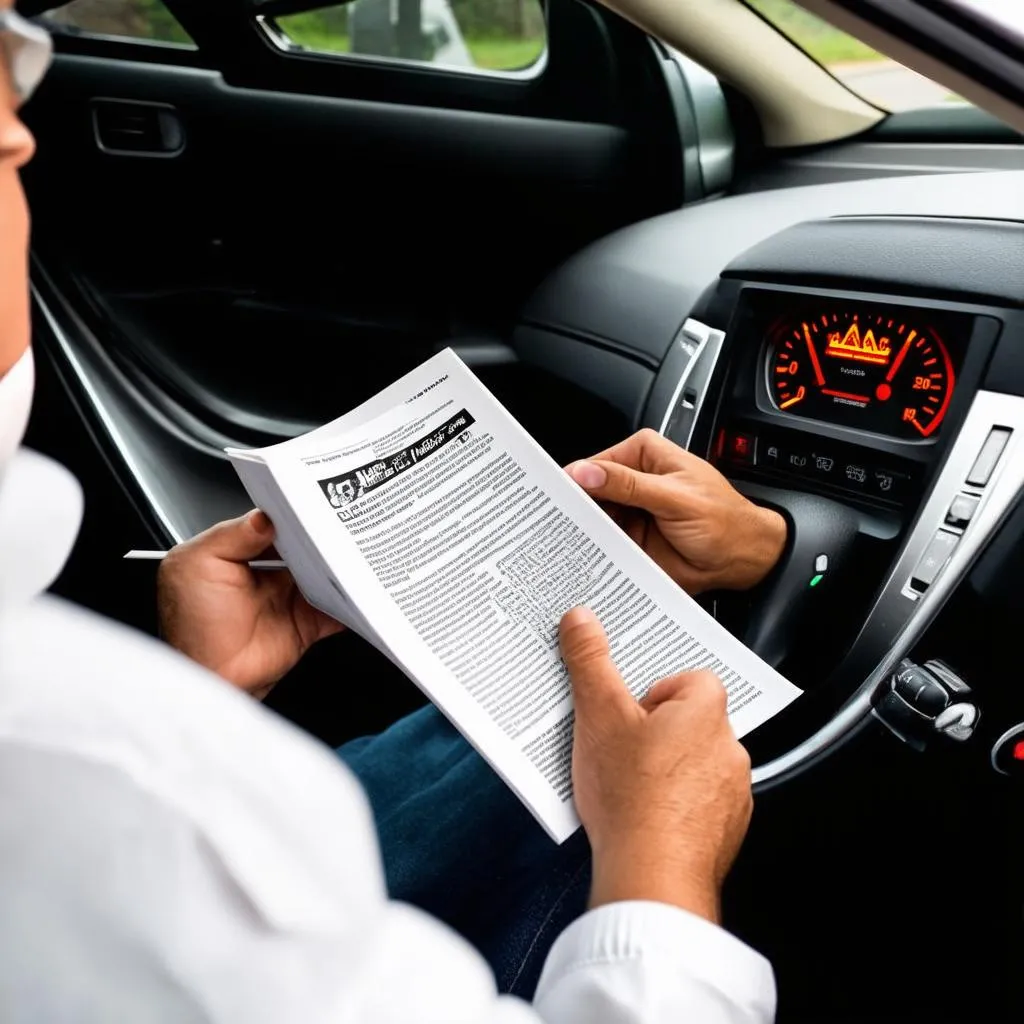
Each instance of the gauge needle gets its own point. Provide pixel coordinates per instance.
(845, 394)
(895, 368)
(818, 375)
(798, 397)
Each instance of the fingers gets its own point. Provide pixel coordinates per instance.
(649, 452)
(700, 685)
(613, 482)
(237, 540)
(635, 473)
(598, 689)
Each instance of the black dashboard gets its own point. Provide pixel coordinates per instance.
(852, 355)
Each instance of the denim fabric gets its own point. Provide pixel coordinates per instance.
(458, 843)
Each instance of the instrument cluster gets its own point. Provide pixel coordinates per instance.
(884, 370)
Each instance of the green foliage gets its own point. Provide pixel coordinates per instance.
(160, 23)
(501, 35)
(326, 31)
(133, 19)
(825, 44)
(505, 54)
(499, 19)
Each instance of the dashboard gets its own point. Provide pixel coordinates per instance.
(845, 394)
(853, 356)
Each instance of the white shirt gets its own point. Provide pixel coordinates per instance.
(171, 851)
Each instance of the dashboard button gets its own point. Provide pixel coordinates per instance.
(989, 455)
(888, 483)
(824, 465)
(884, 481)
(962, 510)
(740, 447)
(936, 555)
(796, 461)
(769, 454)
(855, 475)
(921, 690)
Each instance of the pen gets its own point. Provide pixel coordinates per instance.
(157, 556)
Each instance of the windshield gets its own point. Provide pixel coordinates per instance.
(877, 78)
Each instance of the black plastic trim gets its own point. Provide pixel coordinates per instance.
(964, 259)
(953, 123)
(637, 286)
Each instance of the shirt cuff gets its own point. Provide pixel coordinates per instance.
(668, 938)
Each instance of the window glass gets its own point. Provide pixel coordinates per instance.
(131, 19)
(870, 74)
(497, 35)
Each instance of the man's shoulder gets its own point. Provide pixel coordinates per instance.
(280, 809)
(72, 676)
(65, 660)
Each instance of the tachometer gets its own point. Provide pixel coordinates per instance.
(861, 368)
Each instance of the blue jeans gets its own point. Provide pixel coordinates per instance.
(458, 843)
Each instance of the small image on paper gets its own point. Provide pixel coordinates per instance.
(342, 491)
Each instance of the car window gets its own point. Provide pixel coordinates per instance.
(494, 35)
(865, 71)
(148, 20)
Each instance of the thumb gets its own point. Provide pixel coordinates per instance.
(597, 688)
(237, 540)
(611, 481)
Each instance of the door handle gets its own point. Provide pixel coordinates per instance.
(137, 128)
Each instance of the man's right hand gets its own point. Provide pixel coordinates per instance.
(684, 513)
(662, 786)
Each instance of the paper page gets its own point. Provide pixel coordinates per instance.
(462, 543)
(312, 576)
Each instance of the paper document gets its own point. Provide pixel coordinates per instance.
(432, 524)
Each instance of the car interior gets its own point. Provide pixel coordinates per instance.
(678, 216)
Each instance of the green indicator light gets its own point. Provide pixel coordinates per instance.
(815, 580)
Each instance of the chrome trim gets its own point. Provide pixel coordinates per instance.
(282, 42)
(1017, 730)
(107, 421)
(716, 140)
(701, 346)
(988, 411)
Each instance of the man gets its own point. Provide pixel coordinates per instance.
(169, 851)
(455, 841)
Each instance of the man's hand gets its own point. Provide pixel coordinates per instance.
(248, 626)
(684, 513)
(662, 786)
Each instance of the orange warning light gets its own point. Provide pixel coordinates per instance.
(861, 348)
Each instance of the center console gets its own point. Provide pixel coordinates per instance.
(872, 422)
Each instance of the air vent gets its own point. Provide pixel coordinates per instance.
(134, 128)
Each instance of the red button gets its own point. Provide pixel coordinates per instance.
(741, 447)
(1018, 751)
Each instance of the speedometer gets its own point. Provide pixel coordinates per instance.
(861, 368)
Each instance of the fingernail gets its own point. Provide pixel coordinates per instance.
(258, 521)
(579, 616)
(588, 475)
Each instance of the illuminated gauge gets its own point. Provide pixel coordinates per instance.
(861, 369)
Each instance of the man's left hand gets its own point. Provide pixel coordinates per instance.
(250, 627)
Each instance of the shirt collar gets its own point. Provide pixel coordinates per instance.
(40, 515)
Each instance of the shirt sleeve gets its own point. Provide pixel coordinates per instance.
(648, 963)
